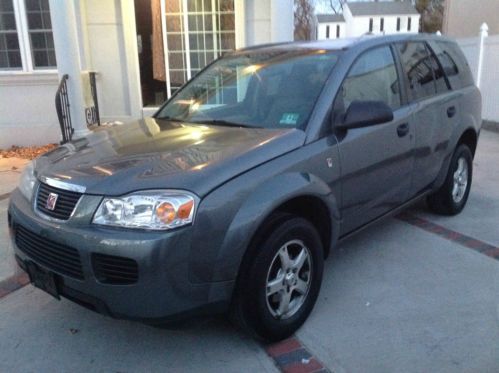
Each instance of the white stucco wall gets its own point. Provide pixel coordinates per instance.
(27, 109)
(322, 27)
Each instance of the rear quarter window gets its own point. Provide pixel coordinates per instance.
(454, 63)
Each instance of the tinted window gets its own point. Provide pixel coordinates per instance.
(438, 73)
(454, 64)
(418, 68)
(373, 77)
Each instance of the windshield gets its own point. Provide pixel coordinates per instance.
(256, 89)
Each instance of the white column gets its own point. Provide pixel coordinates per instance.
(484, 32)
(67, 51)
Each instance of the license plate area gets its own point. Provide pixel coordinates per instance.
(42, 279)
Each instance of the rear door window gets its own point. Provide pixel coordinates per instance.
(438, 73)
(373, 77)
(418, 67)
(454, 64)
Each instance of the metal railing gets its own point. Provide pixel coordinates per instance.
(62, 108)
(93, 89)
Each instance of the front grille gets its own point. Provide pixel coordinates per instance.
(66, 201)
(55, 256)
(115, 270)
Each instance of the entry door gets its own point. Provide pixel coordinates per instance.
(195, 32)
(376, 161)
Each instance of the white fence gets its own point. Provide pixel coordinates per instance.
(485, 69)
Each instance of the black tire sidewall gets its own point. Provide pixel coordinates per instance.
(257, 314)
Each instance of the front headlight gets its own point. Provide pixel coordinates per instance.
(28, 180)
(157, 209)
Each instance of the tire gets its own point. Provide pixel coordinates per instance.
(448, 200)
(267, 283)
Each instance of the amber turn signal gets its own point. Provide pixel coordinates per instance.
(165, 212)
(184, 211)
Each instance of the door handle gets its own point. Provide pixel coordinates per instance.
(403, 129)
(451, 111)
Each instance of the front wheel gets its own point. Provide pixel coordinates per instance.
(278, 289)
(451, 198)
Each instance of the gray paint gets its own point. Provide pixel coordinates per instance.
(242, 176)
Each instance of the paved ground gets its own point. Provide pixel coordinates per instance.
(395, 298)
(10, 172)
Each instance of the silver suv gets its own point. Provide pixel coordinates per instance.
(232, 196)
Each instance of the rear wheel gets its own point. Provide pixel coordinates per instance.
(451, 198)
(279, 286)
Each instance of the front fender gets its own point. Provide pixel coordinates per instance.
(220, 252)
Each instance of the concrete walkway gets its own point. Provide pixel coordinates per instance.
(10, 172)
(395, 298)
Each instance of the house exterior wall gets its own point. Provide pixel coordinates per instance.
(359, 25)
(322, 30)
(107, 44)
(462, 18)
(27, 112)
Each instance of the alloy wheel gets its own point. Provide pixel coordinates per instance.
(288, 279)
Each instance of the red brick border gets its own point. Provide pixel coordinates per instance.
(290, 356)
(13, 283)
(459, 238)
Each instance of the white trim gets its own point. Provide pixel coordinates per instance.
(165, 48)
(25, 36)
(239, 24)
(29, 79)
(134, 93)
(20, 37)
(187, 48)
(215, 30)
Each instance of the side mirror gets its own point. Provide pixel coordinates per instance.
(366, 113)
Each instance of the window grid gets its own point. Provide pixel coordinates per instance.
(29, 38)
(40, 33)
(10, 52)
(197, 32)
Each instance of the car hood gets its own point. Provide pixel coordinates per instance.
(153, 153)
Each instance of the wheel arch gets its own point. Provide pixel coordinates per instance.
(289, 193)
(470, 139)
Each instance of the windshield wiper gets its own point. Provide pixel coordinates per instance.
(224, 123)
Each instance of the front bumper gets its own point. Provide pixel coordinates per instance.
(163, 290)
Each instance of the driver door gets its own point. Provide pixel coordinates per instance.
(376, 161)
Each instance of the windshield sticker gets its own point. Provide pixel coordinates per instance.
(289, 118)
